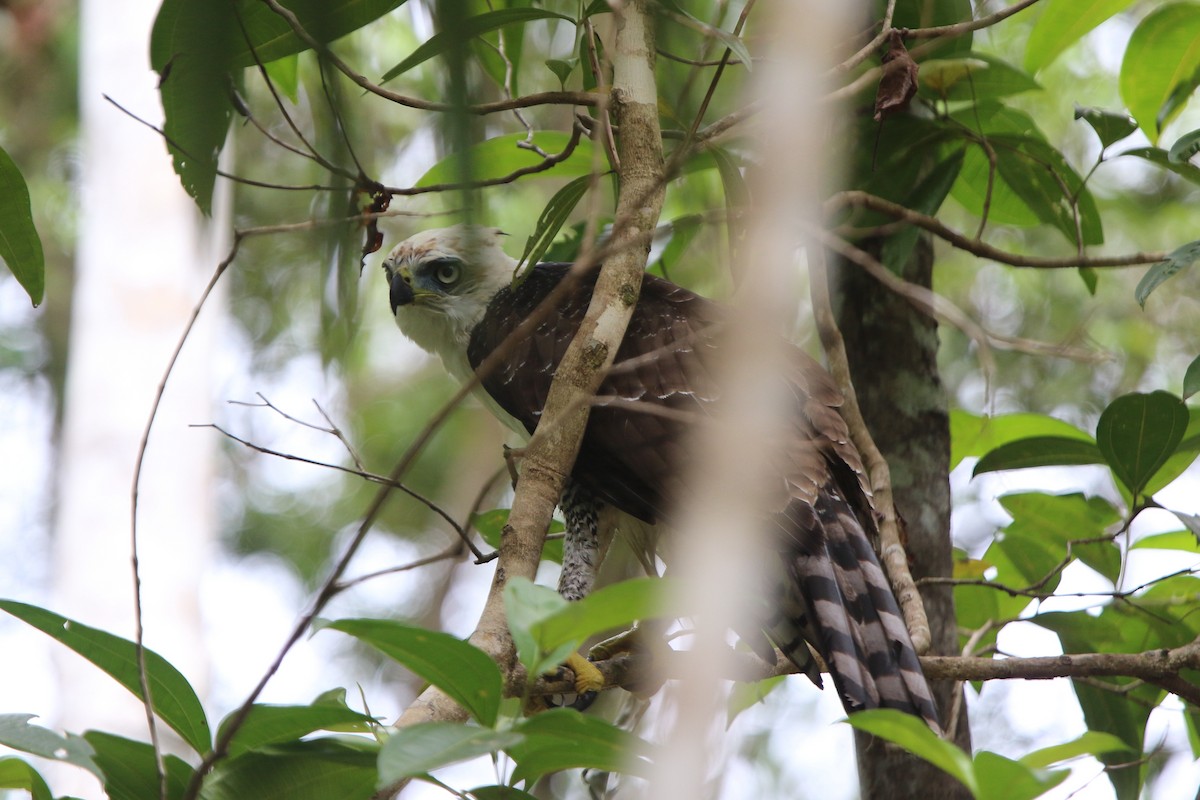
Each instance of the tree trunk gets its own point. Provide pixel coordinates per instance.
(892, 349)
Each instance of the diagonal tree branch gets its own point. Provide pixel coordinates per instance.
(551, 451)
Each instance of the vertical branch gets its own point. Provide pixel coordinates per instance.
(551, 452)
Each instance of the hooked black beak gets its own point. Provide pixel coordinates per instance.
(401, 293)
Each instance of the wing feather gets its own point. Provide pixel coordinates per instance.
(830, 591)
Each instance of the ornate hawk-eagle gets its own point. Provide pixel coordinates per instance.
(453, 293)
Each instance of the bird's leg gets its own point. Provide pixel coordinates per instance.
(581, 550)
(581, 543)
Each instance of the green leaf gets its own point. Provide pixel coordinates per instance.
(496, 158)
(175, 701)
(17, 733)
(461, 670)
(562, 68)
(1185, 453)
(1191, 378)
(326, 20)
(310, 770)
(272, 724)
(1187, 541)
(1161, 60)
(285, 75)
(424, 747)
(682, 231)
(1002, 778)
(618, 605)
(499, 793)
(565, 739)
(915, 736)
(1045, 525)
(526, 605)
(490, 525)
(1061, 24)
(745, 695)
(1049, 186)
(978, 77)
(1090, 743)
(924, 13)
(927, 197)
(1039, 451)
(733, 43)
(129, 768)
(1156, 155)
(1179, 259)
(1110, 126)
(20, 247)
(552, 218)
(1090, 278)
(17, 774)
(1137, 433)
(975, 435)
(191, 48)
(1185, 147)
(470, 28)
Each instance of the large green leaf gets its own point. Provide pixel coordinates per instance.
(1121, 715)
(20, 246)
(18, 774)
(191, 48)
(417, 749)
(976, 77)
(129, 768)
(1061, 24)
(926, 197)
(1049, 186)
(1185, 453)
(1044, 525)
(526, 606)
(1162, 61)
(461, 670)
(17, 733)
(272, 37)
(930, 13)
(199, 50)
(915, 736)
(975, 435)
(1039, 451)
(565, 739)
(1090, 743)
(552, 218)
(1137, 433)
(312, 770)
(1002, 778)
(503, 155)
(547, 628)
(269, 724)
(470, 28)
(174, 700)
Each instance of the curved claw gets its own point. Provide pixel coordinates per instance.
(588, 683)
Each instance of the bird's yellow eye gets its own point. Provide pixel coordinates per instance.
(447, 271)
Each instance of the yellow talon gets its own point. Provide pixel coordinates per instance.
(587, 677)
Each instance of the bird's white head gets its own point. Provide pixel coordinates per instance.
(440, 283)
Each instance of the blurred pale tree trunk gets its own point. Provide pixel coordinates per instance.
(141, 265)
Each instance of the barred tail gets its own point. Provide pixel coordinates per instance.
(840, 601)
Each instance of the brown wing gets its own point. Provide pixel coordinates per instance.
(830, 590)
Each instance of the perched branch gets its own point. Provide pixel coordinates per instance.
(548, 458)
(1155, 666)
(892, 553)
